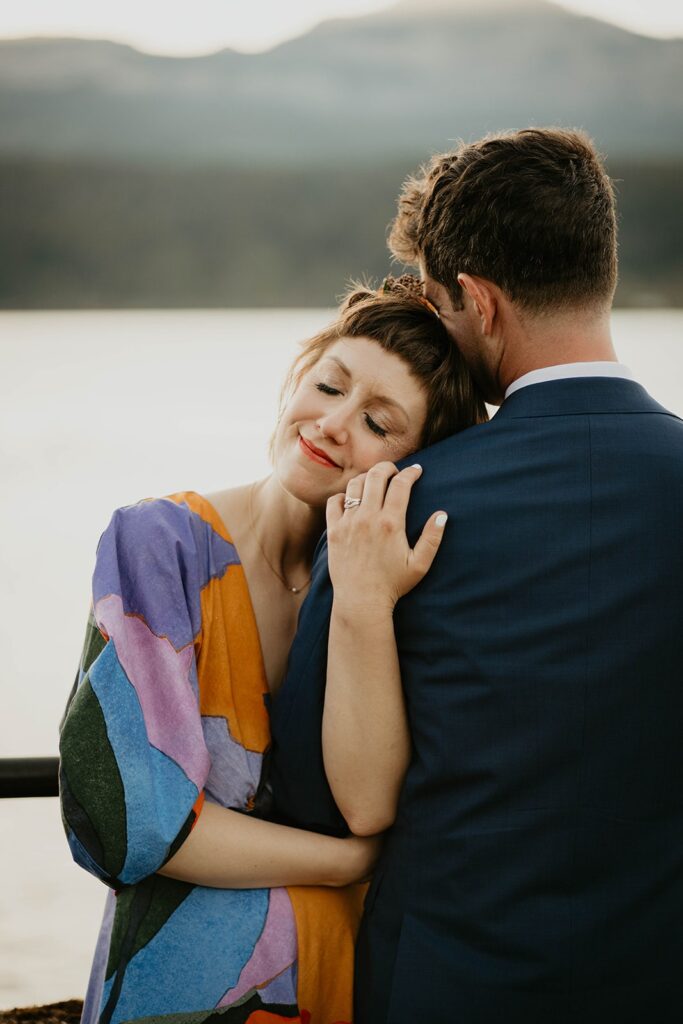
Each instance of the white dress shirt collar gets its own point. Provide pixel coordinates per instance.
(566, 370)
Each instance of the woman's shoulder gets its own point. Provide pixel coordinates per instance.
(196, 504)
(153, 540)
(181, 516)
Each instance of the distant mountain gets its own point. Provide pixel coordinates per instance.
(387, 86)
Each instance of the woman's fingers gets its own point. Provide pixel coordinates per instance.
(429, 542)
(375, 486)
(354, 488)
(334, 510)
(398, 493)
(367, 545)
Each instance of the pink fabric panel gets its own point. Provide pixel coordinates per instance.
(160, 676)
(274, 952)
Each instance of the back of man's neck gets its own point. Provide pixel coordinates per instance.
(557, 342)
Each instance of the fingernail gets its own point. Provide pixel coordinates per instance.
(441, 519)
(416, 465)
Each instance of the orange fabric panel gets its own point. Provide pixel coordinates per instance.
(264, 1017)
(204, 509)
(232, 679)
(327, 922)
(197, 808)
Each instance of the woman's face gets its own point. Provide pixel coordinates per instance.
(357, 406)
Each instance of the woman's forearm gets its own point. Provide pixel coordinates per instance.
(366, 742)
(227, 849)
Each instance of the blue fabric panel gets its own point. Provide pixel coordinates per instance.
(82, 857)
(208, 939)
(158, 794)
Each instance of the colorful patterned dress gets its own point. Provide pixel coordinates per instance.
(168, 711)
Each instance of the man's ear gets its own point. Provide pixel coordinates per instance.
(483, 297)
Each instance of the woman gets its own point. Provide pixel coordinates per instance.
(164, 743)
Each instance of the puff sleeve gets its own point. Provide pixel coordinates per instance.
(134, 761)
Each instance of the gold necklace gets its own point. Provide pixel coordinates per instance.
(283, 581)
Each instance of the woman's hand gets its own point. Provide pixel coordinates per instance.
(357, 858)
(230, 850)
(370, 560)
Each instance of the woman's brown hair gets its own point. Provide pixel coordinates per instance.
(401, 321)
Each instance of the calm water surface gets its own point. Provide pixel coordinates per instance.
(98, 410)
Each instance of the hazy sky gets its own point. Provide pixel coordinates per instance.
(207, 25)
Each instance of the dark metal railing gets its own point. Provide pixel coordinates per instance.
(35, 776)
(29, 776)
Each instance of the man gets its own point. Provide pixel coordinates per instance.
(535, 869)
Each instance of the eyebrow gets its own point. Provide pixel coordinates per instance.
(380, 398)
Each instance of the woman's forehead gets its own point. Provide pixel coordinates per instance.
(364, 359)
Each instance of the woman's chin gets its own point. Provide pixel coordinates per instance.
(301, 485)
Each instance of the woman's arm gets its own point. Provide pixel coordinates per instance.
(366, 740)
(227, 849)
(134, 759)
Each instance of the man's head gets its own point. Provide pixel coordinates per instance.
(523, 222)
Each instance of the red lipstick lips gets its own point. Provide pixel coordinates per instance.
(316, 454)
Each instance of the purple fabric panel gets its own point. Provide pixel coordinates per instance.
(158, 556)
(160, 676)
(93, 996)
(235, 772)
(282, 989)
(275, 951)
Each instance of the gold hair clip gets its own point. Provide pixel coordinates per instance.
(425, 302)
(407, 286)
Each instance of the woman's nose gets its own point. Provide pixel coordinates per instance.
(335, 426)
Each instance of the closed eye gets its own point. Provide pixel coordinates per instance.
(326, 389)
(375, 427)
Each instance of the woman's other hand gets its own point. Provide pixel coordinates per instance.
(358, 856)
(370, 559)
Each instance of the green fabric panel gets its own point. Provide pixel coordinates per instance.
(93, 775)
(77, 821)
(174, 1018)
(93, 645)
(238, 1013)
(168, 894)
(124, 902)
(165, 897)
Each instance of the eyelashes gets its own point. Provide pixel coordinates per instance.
(372, 424)
(375, 427)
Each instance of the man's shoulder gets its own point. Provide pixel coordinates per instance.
(555, 423)
(458, 446)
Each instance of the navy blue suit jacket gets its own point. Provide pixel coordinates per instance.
(535, 869)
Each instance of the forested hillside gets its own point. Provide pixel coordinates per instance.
(96, 235)
(269, 179)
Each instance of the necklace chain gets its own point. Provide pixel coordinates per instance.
(283, 581)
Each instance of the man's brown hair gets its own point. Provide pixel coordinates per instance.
(533, 211)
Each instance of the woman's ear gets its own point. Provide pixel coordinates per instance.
(483, 298)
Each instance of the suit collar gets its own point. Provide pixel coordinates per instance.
(562, 371)
(579, 396)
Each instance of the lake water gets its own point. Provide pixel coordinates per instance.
(99, 409)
